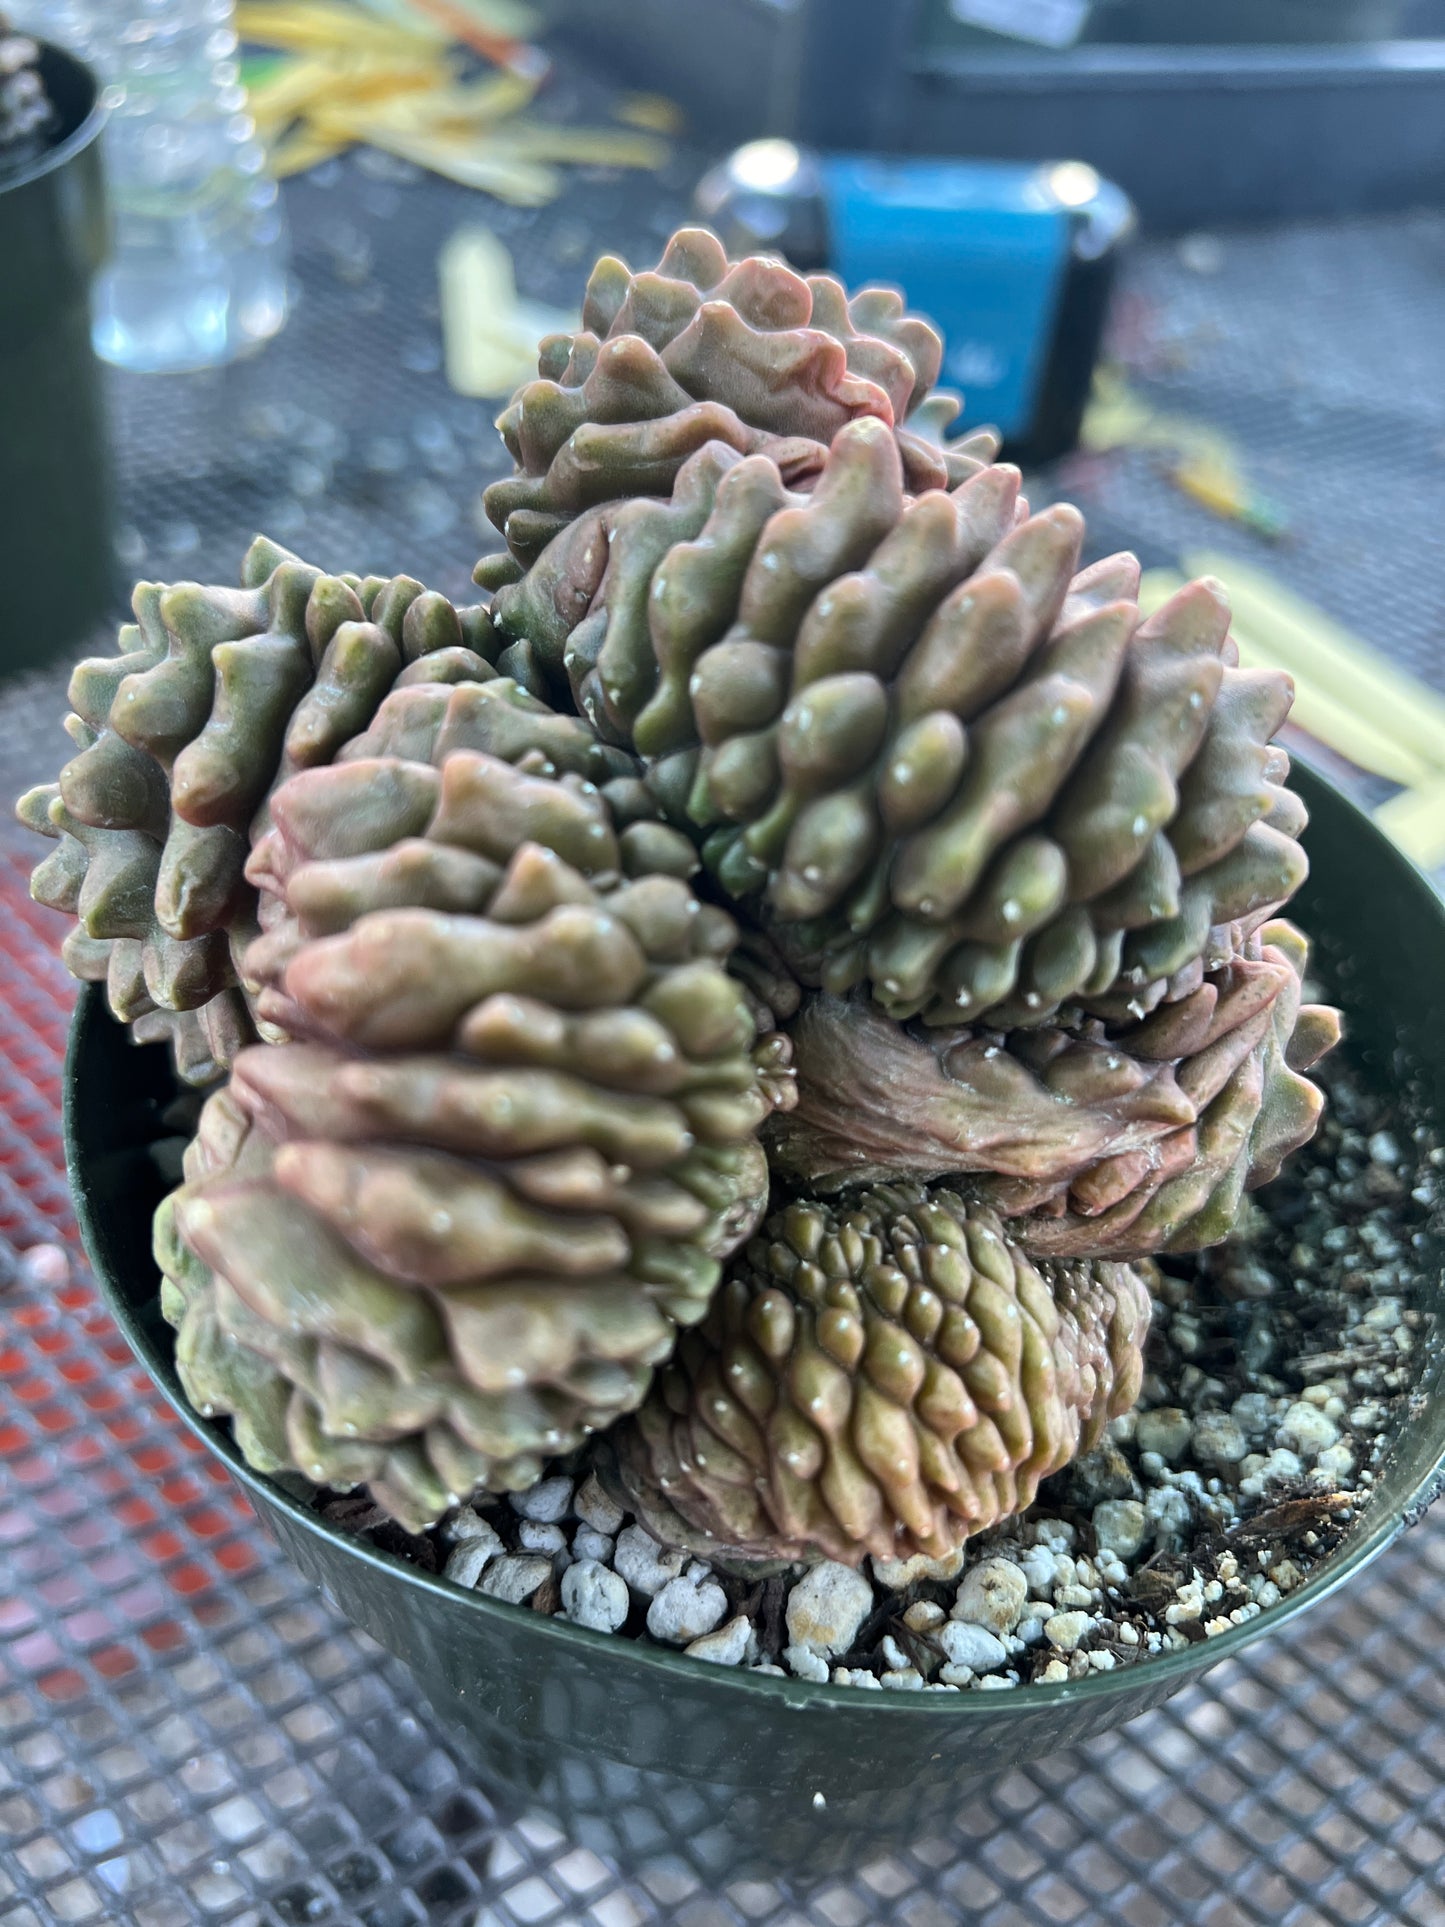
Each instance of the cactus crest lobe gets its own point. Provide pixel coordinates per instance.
(883, 1374)
(215, 694)
(932, 756)
(1096, 1140)
(450, 1220)
(746, 354)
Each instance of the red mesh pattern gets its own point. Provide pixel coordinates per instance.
(97, 1468)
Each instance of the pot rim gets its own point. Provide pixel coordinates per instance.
(80, 137)
(1179, 1666)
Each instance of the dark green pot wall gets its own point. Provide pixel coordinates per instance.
(636, 1750)
(56, 554)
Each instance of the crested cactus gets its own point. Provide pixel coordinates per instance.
(885, 1375)
(799, 815)
(214, 695)
(497, 1162)
(747, 355)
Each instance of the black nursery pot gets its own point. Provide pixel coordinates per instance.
(56, 558)
(645, 1754)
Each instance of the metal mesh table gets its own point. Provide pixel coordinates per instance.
(188, 1733)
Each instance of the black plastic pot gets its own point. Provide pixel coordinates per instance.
(641, 1752)
(56, 557)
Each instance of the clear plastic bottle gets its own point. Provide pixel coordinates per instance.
(198, 274)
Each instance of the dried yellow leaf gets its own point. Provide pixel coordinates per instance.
(1202, 460)
(312, 25)
(653, 113)
(290, 91)
(489, 335)
(444, 111)
(483, 164)
(301, 149)
(1118, 417)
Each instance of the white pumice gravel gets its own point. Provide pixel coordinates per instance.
(1170, 1515)
(546, 1502)
(1058, 1535)
(827, 1607)
(686, 1608)
(643, 1563)
(1165, 1431)
(1218, 1439)
(892, 1654)
(1254, 1413)
(923, 1615)
(804, 1663)
(727, 1646)
(992, 1594)
(467, 1523)
(1063, 1631)
(593, 1596)
(972, 1646)
(897, 1575)
(1039, 1565)
(1188, 1602)
(906, 1680)
(1120, 1527)
(1307, 1429)
(855, 1676)
(514, 1578)
(470, 1557)
(1278, 1366)
(532, 1537)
